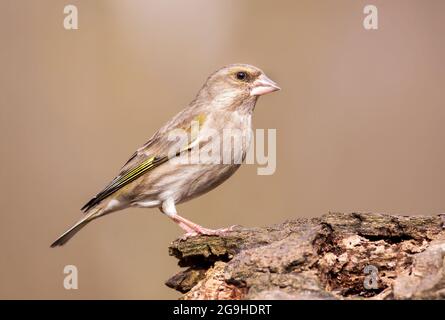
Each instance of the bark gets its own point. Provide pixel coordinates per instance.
(337, 256)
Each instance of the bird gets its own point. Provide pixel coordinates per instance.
(160, 173)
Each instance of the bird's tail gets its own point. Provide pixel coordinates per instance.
(76, 228)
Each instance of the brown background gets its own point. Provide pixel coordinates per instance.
(359, 124)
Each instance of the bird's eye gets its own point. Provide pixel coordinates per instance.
(241, 76)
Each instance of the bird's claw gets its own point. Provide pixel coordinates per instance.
(187, 235)
(208, 232)
(216, 232)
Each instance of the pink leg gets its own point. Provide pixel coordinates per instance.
(183, 226)
(191, 228)
(194, 229)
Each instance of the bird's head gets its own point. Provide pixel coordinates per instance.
(238, 83)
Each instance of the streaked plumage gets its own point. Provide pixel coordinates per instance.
(152, 178)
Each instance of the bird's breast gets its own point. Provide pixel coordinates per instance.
(232, 133)
(225, 140)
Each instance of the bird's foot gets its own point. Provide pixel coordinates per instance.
(187, 235)
(216, 232)
(207, 232)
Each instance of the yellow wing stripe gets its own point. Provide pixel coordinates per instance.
(134, 173)
(122, 180)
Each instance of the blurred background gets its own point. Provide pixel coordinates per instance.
(359, 124)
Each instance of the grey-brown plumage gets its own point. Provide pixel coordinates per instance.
(157, 174)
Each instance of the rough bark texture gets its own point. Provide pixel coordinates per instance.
(332, 257)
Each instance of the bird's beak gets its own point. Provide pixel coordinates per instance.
(263, 85)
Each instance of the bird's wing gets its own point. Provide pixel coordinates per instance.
(151, 155)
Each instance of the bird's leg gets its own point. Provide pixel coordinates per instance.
(191, 228)
(168, 207)
(189, 232)
(197, 229)
(183, 226)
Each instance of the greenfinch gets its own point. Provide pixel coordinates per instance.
(162, 172)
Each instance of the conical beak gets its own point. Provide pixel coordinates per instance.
(263, 85)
